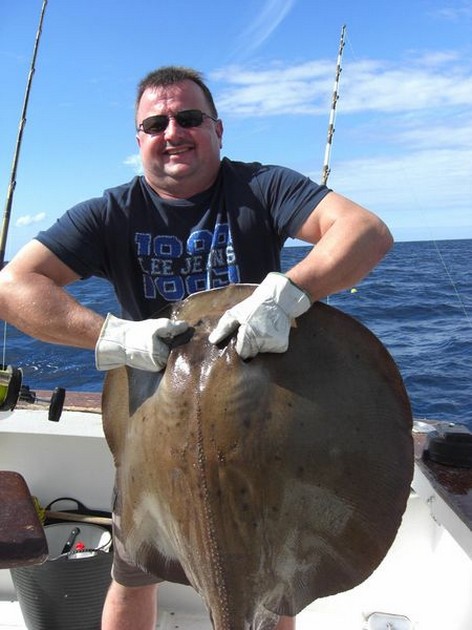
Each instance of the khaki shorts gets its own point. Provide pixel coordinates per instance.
(123, 570)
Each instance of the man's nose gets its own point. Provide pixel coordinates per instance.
(173, 129)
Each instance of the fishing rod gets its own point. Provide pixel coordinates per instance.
(11, 388)
(16, 155)
(326, 168)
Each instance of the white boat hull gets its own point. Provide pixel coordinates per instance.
(424, 582)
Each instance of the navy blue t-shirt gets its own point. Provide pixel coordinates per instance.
(155, 251)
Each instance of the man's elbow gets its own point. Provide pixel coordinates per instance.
(380, 237)
(385, 238)
(8, 289)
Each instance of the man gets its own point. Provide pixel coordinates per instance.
(192, 222)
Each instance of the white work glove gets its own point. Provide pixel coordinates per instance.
(137, 344)
(264, 318)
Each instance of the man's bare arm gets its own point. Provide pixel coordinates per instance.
(32, 299)
(350, 241)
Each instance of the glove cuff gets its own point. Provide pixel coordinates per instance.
(110, 348)
(290, 297)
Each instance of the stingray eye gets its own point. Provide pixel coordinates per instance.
(180, 340)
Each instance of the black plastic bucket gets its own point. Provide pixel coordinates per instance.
(68, 590)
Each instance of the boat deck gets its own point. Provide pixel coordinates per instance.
(12, 619)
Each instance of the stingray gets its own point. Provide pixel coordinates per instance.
(267, 483)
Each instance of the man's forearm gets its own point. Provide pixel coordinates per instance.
(39, 308)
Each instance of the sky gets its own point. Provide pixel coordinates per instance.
(403, 130)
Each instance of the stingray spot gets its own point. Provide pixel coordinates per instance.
(247, 423)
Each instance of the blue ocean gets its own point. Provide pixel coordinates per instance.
(418, 302)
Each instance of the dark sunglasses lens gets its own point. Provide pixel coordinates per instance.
(155, 124)
(189, 118)
(186, 119)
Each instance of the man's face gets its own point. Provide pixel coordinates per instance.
(179, 162)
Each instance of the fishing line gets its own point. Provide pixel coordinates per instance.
(447, 271)
(411, 189)
(453, 284)
(4, 349)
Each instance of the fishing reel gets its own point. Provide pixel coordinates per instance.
(13, 391)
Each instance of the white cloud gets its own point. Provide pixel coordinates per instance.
(28, 219)
(422, 82)
(419, 192)
(406, 88)
(263, 25)
(461, 11)
(135, 162)
(260, 92)
(423, 132)
(416, 178)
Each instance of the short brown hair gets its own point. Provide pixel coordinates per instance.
(168, 75)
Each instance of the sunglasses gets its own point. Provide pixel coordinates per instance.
(186, 119)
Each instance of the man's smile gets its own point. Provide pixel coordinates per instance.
(178, 150)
